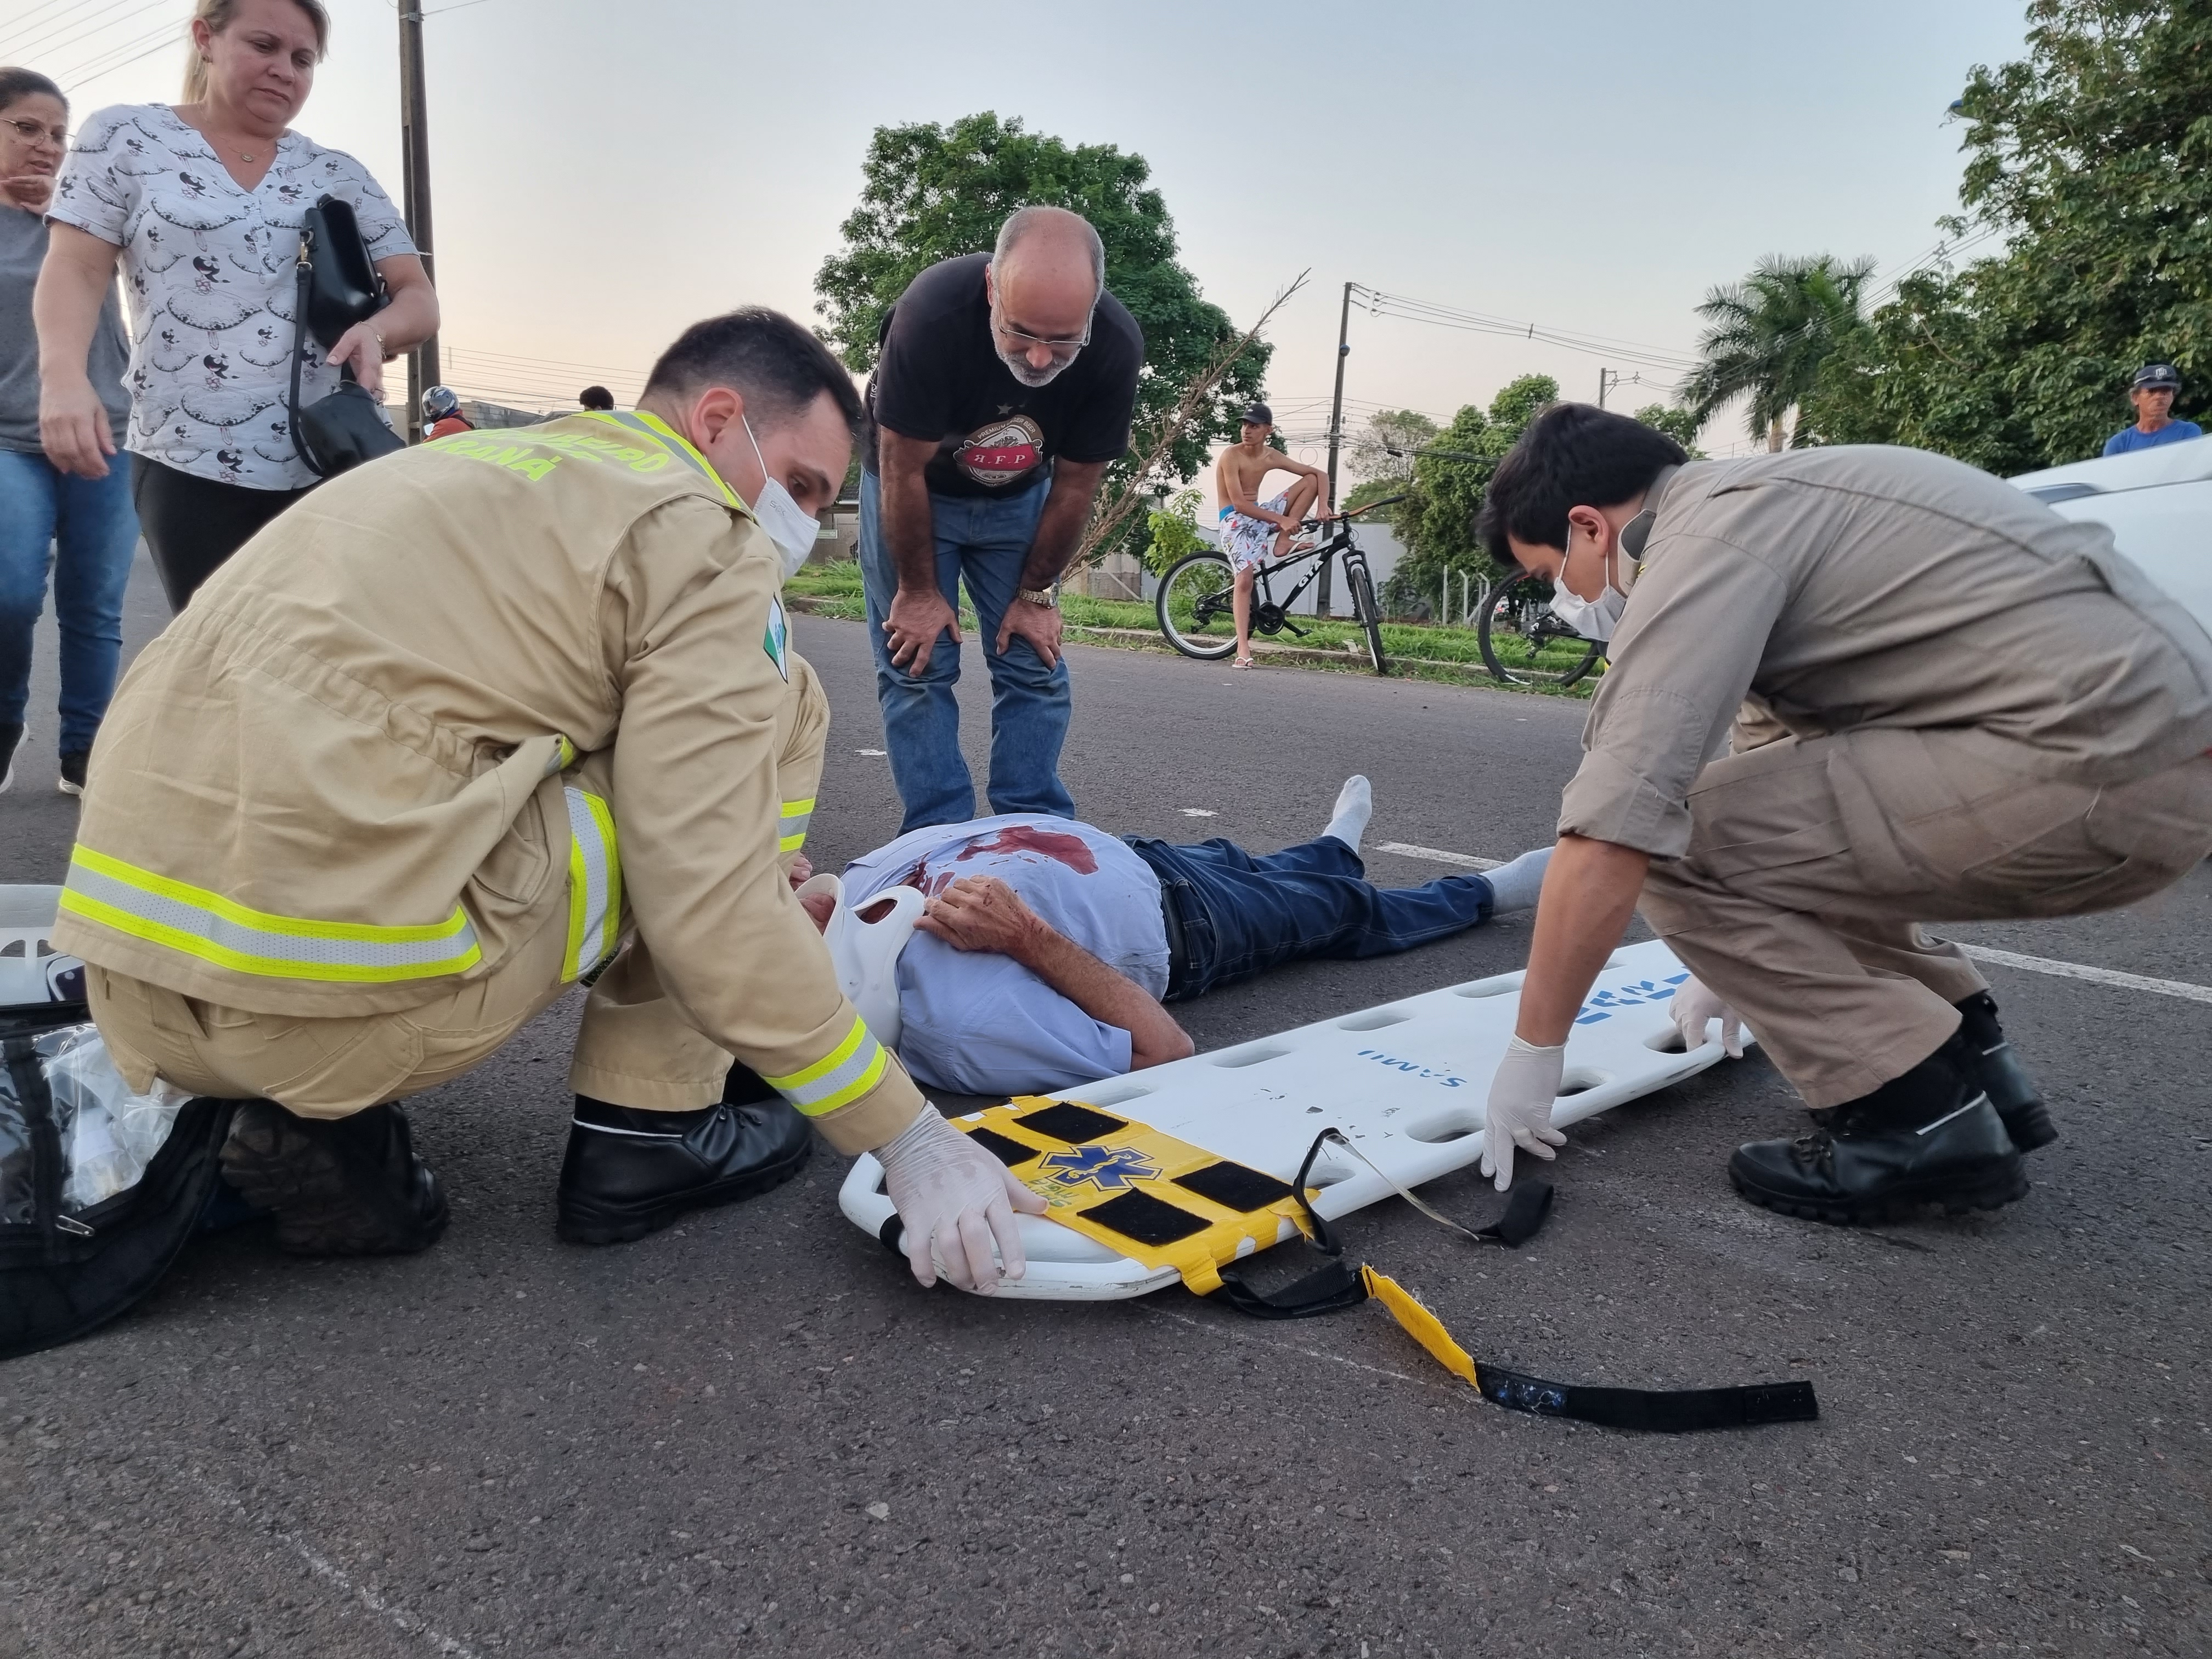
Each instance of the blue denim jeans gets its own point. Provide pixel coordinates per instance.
(1239, 916)
(983, 543)
(97, 530)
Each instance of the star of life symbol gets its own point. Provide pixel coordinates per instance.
(1109, 1168)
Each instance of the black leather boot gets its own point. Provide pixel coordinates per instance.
(2012, 1090)
(630, 1173)
(345, 1186)
(1928, 1137)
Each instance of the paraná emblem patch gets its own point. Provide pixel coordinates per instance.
(778, 642)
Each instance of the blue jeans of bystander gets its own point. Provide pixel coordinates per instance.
(983, 543)
(92, 530)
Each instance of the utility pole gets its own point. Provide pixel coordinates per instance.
(1335, 432)
(415, 166)
(1602, 376)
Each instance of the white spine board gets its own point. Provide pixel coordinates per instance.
(1408, 1083)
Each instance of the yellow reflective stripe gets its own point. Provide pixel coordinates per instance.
(839, 1078)
(594, 884)
(565, 755)
(791, 824)
(198, 922)
(658, 431)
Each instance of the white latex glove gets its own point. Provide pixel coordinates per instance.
(1521, 1096)
(1695, 1008)
(956, 1200)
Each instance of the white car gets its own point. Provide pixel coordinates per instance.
(2158, 505)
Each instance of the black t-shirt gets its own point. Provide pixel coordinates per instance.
(938, 376)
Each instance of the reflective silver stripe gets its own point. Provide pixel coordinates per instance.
(791, 824)
(594, 884)
(848, 1072)
(230, 941)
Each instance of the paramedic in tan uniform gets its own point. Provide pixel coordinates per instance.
(466, 726)
(1989, 714)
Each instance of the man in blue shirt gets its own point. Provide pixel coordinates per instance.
(2156, 386)
(1049, 947)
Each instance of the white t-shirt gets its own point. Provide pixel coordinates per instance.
(210, 269)
(978, 1023)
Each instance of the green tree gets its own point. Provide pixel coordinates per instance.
(1436, 523)
(1680, 424)
(1766, 337)
(2092, 157)
(1368, 455)
(1172, 528)
(929, 192)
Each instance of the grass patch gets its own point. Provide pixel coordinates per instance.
(1417, 650)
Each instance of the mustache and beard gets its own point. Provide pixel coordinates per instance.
(1018, 366)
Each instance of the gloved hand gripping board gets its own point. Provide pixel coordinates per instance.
(1132, 1206)
(1406, 1082)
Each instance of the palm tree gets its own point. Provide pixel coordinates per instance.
(1767, 335)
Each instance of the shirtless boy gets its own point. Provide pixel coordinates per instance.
(1252, 530)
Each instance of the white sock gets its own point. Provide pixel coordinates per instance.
(1514, 886)
(1355, 804)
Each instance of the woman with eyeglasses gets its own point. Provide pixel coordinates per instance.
(201, 203)
(84, 528)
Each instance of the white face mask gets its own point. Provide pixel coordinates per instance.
(1597, 618)
(789, 525)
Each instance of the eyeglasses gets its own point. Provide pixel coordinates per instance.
(32, 131)
(1058, 348)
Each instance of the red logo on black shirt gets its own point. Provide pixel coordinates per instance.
(998, 451)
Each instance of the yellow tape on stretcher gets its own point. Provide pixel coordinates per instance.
(1137, 1157)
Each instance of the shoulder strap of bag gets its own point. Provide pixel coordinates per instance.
(306, 274)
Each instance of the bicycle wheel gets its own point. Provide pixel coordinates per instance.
(1195, 599)
(1523, 642)
(1369, 613)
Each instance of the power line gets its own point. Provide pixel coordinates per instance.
(33, 20)
(128, 51)
(58, 36)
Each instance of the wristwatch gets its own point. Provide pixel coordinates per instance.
(1047, 597)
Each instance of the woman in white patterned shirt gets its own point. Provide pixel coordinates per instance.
(201, 202)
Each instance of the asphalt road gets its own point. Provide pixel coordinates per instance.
(753, 1433)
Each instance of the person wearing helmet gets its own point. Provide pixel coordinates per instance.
(441, 414)
(2152, 391)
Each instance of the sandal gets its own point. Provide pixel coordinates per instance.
(1241, 662)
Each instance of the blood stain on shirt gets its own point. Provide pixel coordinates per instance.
(1045, 843)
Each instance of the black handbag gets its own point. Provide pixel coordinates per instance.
(337, 287)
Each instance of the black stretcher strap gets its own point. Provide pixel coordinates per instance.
(1662, 1411)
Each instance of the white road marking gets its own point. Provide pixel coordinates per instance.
(1200, 812)
(2164, 988)
(1437, 855)
(1292, 1347)
(871, 751)
(333, 1574)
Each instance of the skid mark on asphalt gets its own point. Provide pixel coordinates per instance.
(1292, 1347)
(333, 1574)
(2163, 987)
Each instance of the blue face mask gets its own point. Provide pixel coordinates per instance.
(789, 525)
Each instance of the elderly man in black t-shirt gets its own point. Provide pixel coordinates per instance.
(1003, 389)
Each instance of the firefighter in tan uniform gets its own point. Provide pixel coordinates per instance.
(466, 727)
(1980, 711)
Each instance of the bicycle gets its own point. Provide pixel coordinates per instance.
(1196, 594)
(1521, 605)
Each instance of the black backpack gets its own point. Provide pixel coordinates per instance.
(67, 1265)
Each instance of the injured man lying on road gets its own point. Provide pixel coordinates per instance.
(1049, 947)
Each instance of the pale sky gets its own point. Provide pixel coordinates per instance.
(605, 174)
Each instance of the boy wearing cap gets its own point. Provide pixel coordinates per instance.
(2152, 392)
(1254, 530)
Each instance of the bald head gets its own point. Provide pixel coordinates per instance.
(1048, 272)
